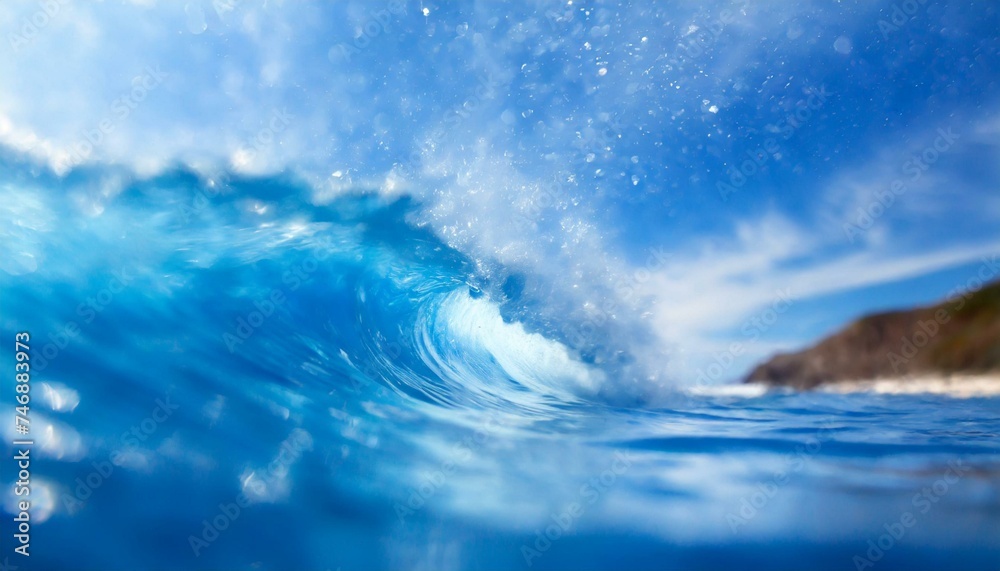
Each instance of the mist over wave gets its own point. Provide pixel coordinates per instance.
(364, 278)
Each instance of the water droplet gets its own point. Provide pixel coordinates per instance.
(195, 18)
(843, 45)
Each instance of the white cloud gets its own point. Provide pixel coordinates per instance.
(704, 298)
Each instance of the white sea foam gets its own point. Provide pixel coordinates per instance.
(958, 386)
(59, 397)
(529, 358)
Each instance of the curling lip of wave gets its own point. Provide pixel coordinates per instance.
(473, 327)
(403, 280)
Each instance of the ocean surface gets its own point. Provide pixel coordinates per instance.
(233, 374)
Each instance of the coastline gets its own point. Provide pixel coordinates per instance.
(955, 386)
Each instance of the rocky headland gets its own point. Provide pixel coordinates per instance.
(956, 339)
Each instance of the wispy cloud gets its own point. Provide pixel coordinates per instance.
(705, 296)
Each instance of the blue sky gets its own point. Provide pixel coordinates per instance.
(639, 110)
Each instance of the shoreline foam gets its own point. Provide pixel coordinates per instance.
(958, 386)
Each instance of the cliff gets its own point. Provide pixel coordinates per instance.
(957, 336)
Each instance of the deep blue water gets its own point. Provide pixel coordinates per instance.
(230, 375)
